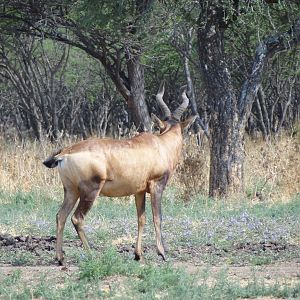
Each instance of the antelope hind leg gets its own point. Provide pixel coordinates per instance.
(140, 200)
(156, 193)
(70, 198)
(87, 199)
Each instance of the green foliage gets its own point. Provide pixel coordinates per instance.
(13, 278)
(21, 198)
(108, 264)
(19, 258)
(119, 19)
(160, 279)
(164, 58)
(102, 14)
(249, 26)
(260, 260)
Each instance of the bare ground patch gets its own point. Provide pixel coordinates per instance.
(279, 272)
(32, 274)
(286, 273)
(190, 259)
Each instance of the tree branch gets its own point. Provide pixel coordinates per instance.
(264, 51)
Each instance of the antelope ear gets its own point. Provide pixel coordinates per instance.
(188, 122)
(158, 121)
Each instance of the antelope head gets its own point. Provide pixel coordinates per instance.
(169, 119)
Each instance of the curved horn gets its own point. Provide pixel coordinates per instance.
(183, 106)
(159, 98)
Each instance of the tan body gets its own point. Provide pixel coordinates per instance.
(114, 168)
(125, 167)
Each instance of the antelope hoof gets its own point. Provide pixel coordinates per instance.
(138, 257)
(60, 260)
(162, 255)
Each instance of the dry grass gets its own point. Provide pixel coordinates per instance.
(272, 169)
(192, 176)
(21, 167)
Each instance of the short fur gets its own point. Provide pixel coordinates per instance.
(114, 168)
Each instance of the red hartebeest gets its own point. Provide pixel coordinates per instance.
(115, 168)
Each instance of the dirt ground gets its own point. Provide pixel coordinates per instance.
(285, 272)
(281, 272)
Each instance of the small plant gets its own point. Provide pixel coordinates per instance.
(24, 198)
(22, 258)
(109, 263)
(13, 278)
(259, 260)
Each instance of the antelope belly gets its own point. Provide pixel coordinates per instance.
(119, 188)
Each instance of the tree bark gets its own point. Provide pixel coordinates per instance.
(264, 118)
(227, 154)
(136, 100)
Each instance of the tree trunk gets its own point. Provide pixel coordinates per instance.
(226, 151)
(226, 162)
(263, 113)
(261, 118)
(35, 123)
(55, 131)
(136, 101)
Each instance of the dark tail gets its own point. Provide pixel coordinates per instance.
(52, 161)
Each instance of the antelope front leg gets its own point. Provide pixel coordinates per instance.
(70, 199)
(140, 200)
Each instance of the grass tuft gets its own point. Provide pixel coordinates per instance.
(108, 264)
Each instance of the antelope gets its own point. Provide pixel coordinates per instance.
(114, 168)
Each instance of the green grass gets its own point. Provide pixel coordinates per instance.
(201, 231)
(201, 222)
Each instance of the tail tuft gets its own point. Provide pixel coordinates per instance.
(52, 161)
